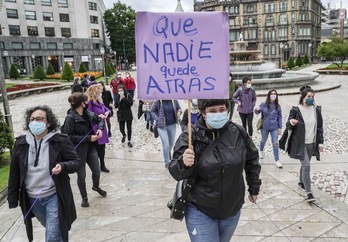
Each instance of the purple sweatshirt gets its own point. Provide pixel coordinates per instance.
(247, 98)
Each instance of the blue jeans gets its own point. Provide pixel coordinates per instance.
(167, 136)
(149, 118)
(46, 211)
(202, 228)
(274, 138)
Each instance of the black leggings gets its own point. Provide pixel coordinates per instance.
(247, 118)
(129, 129)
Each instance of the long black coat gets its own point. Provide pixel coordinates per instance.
(61, 151)
(124, 112)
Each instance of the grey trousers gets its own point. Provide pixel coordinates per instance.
(305, 171)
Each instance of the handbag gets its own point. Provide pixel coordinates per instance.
(259, 123)
(177, 204)
(155, 130)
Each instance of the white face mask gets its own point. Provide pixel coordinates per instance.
(248, 85)
(121, 93)
(127, 75)
(273, 97)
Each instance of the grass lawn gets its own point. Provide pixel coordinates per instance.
(4, 169)
(345, 65)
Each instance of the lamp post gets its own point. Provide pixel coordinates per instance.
(281, 45)
(124, 52)
(33, 61)
(310, 51)
(102, 52)
(115, 59)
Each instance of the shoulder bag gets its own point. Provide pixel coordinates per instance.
(259, 123)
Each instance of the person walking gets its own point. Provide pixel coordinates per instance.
(271, 113)
(233, 87)
(77, 87)
(41, 162)
(147, 104)
(215, 200)
(129, 84)
(123, 104)
(304, 136)
(166, 114)
(194, 115)
(108, 102)
(245, 98)
(96, 105)
(115, 82)
(78, 126)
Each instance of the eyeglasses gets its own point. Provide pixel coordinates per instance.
(38, 119)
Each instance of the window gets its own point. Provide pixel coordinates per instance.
(14, 29)
(11, 1)
(52, 46)
(47, 16)
(67, 46)
(269, 21)
(63, 3)
(2, 45)
(283, 32)
(266, 50)
(11, 13)
(93, 19)
(46, 3)
(49, 31)
(283, 19)
(269, 7)
(92, 6)
(32, 31)
(35, 46)
(64, 17)
(283, 6)
(17, 45)
(95, 32)
(30, 15)
(31, 2)
(273, 49)
(66, 32)
(96, 46)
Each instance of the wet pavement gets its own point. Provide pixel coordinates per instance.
(139, 186)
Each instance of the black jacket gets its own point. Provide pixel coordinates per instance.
(219, 188)
(297, 143)
(80, 130)
(61, 151)
(124, 112)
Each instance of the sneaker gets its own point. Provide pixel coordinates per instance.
(166, 166)
(130, 144)
(301, 184)
(84, 203)
(278, 164)
(100, 191)
(147, 125)
(310, 198)
(261, 155)
(123, 139)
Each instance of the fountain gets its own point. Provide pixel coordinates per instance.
(246, 61)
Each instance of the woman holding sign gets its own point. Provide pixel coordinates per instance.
(166, 114)
(221, 151)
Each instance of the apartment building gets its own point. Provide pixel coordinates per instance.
(334, 22)
(35, 32)
(279, 28)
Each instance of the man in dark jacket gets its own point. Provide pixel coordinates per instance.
(39, 180)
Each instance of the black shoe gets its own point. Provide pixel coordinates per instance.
(147, 125)
(300, 184)
(151, 129)
(84, 203)
(100, 191)
(130, 144)
(104, 169)
(123, 139)
(310, 198)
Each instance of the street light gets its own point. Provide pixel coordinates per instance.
(33, 61)
(102, 52)
(115, 59)
(281, 45)
(310, 51)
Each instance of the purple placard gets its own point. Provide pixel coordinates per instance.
(182, 55)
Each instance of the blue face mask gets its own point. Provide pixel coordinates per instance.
(37, 128)
(310, 101)
(217, 120)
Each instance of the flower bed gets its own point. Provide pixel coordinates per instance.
(77, 74)
(20, 87)
(334, 68)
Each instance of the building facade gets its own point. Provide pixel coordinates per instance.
(334, 22)
(279, 28)
(36, 32)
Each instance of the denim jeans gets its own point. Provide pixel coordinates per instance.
(201, 227)
(149, 118)
(274, 139)
(46, 211)
(167, 136)
(305, 171)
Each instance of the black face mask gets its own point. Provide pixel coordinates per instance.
(85, 107)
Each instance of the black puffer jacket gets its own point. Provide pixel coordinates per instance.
(219, 188)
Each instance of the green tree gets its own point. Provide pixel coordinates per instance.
(82, 68)
(109, 70)
(39, 73)
(6, 140)
(299, 61)
(336, 50)
(50, 70)
(67, 72)
(14, 72)
(112, 68)
(120, 27)
(291, 63)
(306, 60)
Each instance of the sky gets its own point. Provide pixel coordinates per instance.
(170, 5)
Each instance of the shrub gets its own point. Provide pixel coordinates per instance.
(306, 60)
(108, 69)
(82, 68)
(39, 73)
(67, 72)
(50, 70)
(299, 61)
(6, 140)
(291, 63)
(113, 68)
(14, 72)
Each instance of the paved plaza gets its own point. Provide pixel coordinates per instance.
(139, 186)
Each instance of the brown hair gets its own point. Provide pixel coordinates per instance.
(76, 99)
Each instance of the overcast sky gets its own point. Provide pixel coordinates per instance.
(170, 5)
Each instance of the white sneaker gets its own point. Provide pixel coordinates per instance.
(278, 164)
(261, 155)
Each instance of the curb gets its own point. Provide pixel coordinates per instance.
(3, 195)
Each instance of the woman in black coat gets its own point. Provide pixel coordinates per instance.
(39, 179)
